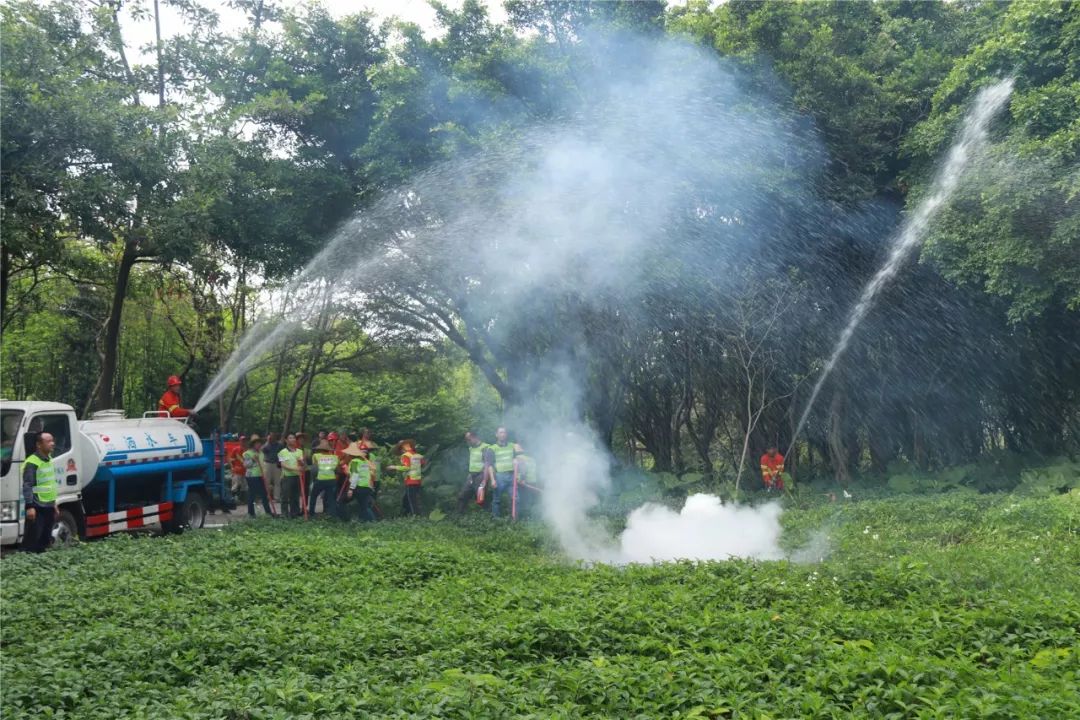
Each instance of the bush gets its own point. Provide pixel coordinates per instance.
(1056, 478)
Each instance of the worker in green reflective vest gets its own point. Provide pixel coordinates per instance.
(325, 462)
(502, 455)
(291, 459)
(480, 463)
(412, 464)
(526, 484)
(40, 491)
(361, 480)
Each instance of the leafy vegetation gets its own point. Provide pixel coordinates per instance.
(956, 606)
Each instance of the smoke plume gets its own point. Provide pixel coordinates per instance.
(552, 252)
(705, 529)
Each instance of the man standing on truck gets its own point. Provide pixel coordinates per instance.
(170, 402)
(39, 494)
(292, 472)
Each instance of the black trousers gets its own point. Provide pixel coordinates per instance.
(37, 535)
(410, 500)
(364, 498)
(468, 490)
(257, 490)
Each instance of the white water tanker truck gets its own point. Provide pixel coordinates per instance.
(115, 474)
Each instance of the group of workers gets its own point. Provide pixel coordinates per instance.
(296, 473)
(341, 469)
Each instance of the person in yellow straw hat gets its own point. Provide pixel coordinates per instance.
(412, 464)
(256, 481)
(361, 482)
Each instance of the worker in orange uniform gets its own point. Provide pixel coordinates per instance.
(234, 451)
(339, 472)
(772, 469)
(365, 440)
(170, 402)
(412, 464)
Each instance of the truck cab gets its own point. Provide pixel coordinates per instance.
(75, 460)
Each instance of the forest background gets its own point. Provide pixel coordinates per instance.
(154, 208)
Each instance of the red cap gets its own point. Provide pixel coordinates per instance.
(174, 380)
(332, 436)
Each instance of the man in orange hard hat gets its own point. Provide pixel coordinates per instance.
(170, 401)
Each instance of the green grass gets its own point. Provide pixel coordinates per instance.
(952, 606)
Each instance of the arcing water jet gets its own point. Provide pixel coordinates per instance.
(969, 144)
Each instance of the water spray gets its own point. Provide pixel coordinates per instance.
(968, 145)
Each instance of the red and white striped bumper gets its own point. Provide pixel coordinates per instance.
(146, 516)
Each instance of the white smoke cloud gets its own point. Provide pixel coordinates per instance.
(577, 479)
(573, 487)
(705, 529)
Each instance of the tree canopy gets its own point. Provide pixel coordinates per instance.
(661, 215)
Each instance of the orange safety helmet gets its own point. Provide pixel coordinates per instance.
(173, 380)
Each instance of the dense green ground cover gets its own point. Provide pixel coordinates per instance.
(952, 606)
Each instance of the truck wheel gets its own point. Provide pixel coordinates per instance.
(66, 531)
(192, 512)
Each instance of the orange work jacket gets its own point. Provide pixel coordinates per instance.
(170, 403)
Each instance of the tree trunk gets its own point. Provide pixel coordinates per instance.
(661, 452)
(701, 437)
(304, 406)
(676, 441)
(654, 426)
(838, 452)
(294, 395)
(103, 396)
(751, 422)
(234, 403)
(918, 447)
(791, 460)
(5, 273)
(742, 463)
(603, 411)
(277, 389)
(657, 442)
(160, 64)
(879, 442)
(302, 382)
(321, 327)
